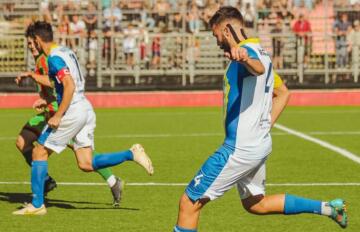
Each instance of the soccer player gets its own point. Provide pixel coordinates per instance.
(240, 161)
(74, 120)
(46, 106)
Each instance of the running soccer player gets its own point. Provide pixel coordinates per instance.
(74, 120)
(46, 106)
(240, 161)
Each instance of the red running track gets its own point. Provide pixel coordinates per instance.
(188, 99)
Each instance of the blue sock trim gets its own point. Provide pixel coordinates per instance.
(111, 159)
(39, 170)
(295, 205)
(180, 229)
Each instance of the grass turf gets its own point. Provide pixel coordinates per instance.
(178, 141)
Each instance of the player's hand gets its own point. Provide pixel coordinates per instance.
(39, 105)
(54, 121)
(238, 54)
(20, 77)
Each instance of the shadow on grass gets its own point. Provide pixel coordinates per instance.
(21, 198)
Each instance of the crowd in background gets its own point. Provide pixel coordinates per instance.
(135, 19)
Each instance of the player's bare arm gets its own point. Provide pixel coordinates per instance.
(38, 78)
(281, 96)
(254, 66)
(69, 88)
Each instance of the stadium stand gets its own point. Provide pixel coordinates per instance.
(166, 44)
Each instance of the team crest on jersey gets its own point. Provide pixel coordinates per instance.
(197, 179)
(263, 52)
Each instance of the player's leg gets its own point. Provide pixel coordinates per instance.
(88, 163)
(39, 171)
(28, 135)
(24, 144)
(215, 177)
(254, 200)
(84, 146)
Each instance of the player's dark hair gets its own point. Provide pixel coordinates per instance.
(30, 31)
(44, 31)
(226, 13)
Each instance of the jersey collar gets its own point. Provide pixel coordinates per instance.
(249, 40)
(53, 46)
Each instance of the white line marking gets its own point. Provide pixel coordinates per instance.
(335, 133)
(177, 184)
(320, 142)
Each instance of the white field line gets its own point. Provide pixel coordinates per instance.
(177, 184)
(335, 133)
(320, 142)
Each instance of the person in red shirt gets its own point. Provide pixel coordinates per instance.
(302, 29)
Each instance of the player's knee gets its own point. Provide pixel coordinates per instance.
(86, 166)
(259, 208)
(20, 143)
(188, 206)
(39, 153)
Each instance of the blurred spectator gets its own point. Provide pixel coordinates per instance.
(146, 19)
(263, 7)
(44, 9)
(90, 18)
(112, 16)
(277, 45)
(342, 28)
(161, 9)
(64, 30)
(8, 9)
(209, 11)
(302, 29)
(194, 18)
(129, 44)
(249, 16)
(304, 3)
(177, 22)
(354, 41)
(77, 30)
(93, 47)
(156, 52)
(301, 9)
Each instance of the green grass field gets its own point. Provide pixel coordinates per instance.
(178, 141)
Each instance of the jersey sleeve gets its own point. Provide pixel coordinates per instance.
(251, 52)
(277, 80)
(58, 68)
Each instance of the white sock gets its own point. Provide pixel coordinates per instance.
(111, 181)
(325, 208)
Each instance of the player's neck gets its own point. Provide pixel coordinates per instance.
(47, 47)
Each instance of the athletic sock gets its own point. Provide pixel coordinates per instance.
(295, 205)
(111, 159)
(111, 181)
(325, 209)
(38, 173)
(179, 229)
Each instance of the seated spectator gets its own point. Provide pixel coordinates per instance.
(146, 18)
(64, 31)
(249, 16)
(342, 28)
(277, 45)
(177, 22)
(301, 9)
(90, 18)
(129, 44)
(193, 18)
(112, 16)
(93, 47)
(162, 7)
(209, 11)
(77, 29)
(302, 29)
